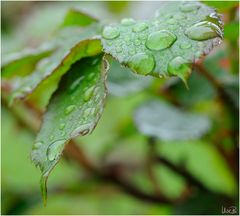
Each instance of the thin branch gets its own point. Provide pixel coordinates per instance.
(184, 173)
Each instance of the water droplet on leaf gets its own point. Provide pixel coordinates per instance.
(203, 31)
(185, 45)
(81, 130)
(189, 7)
(55, 149)
(142, 63)
(139, 27)
(179, 67)
(37, 145)
(88, 93)
(160, 40)
(69, 109)
(110, 32)
(61, 126)
(75, 84)
(127, 21)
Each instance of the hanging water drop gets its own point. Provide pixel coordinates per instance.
(139, 27)
(69, 109)
(142, 63)
(55, 149)
(203, 31)
(110, 32)
(179, 67)
(160, 40)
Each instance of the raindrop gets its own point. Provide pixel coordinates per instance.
(185, 45)
(89, 111)
(189, 7)
(37, 145)
(55, 149)
(142, 63)
(61, 126)
(110, 32)
(160, 40)
(203, 31)
(81, 130)
(171, 21)
(127, 21)
(69, 109)
(75, 84)
(179, 67)
(139, 27)
(88, 93)
(137, 42)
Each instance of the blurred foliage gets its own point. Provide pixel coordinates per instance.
(116, 142)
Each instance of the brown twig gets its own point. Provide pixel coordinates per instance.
(184, 173)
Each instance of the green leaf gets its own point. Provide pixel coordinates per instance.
(23, 63)
(178, 34)
(231, 31)
(121, 82)
(75, 17)
(163, 121)
(83, 44)
(222, 5)
(74, 109)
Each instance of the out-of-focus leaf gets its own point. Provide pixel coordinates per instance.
(53, 67)
(15, 164)
(24, 62)
(200, 90)
(161, 120)
(203, 161)
(121, 82)
(74, 110)
(201, 204)
(231, 31)
(107, 201)
(165, 45)
(76, 17)
(222, 6)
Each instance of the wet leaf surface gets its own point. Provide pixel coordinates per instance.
(178, 34)
(74, 109)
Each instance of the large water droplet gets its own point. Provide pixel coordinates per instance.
(139, 27)
(88, 93)
(179, 67)
(185, 45)
(142, 63)
(69, 109)
(55, 149)
(82, 130)
(110, 32)
(189, 7)
(127, 21)
(160, 40)
(203, 31)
